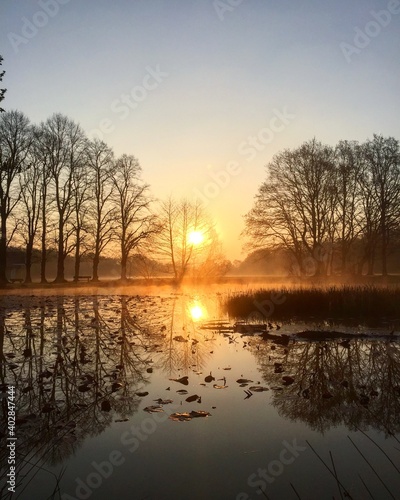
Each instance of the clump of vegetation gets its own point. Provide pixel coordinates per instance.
(367, 303)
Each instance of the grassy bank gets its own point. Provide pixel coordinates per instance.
(367, 304)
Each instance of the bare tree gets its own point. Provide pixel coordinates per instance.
(134, 222)
(14, 146)
(187, 237)
(31, 197)
(349, 216)
(64, 144)
(294, 207)
(383, 160)
(100, 162)
(80, 184)
(40, 151)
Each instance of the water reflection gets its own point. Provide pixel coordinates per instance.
(354, 383)
(82, 363)
(76, 364)
(79, 363)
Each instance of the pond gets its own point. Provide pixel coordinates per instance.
(162, 396)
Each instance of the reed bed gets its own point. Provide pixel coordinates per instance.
(319, 303)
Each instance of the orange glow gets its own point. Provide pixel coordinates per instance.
(195, 238)
(196, 312)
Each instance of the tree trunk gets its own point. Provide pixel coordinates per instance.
(60, 277)
(95, 270)
(43, 257)
(28, 262)
(77, 255)
(3, 251)
(384, 253)
(124, 261)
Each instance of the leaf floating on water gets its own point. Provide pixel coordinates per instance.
(179, 338)
(287, 380)
(227, 368)
(182, 380)
(122, 420)
(182, 391)
(258, 388)
(153, 409)
(105, 405)
(190, 399)
(185, 416)
(141, 394)
(199, 413)
(220, 386)
(83, 388)
(182, 417)
(115, 386)
(244, 381)
(163, 401)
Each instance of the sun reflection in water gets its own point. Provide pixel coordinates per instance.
(197, 311)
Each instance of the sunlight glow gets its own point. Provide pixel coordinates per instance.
(196, 312)
(195, 237)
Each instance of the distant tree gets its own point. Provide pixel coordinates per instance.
(349, 216)
(183, 221)
(100, 164)
(383, 160)
(294, 207)
(134, 222)
(14, 146)
(2, 91)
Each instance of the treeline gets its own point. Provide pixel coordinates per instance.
(61, 191)
(334, 210)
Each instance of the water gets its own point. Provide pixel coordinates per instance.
(85, 367)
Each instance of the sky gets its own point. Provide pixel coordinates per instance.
(205, 92)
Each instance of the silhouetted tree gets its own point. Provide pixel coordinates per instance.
(180, 219)
(80, 182)
(383, 161)
(349, 217)
(40, 151)
(294, 207)
(30, 182)
(64, 144)
(14, 145)
(100, 164)
(134, 222)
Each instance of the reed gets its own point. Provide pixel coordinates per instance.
(317, 303)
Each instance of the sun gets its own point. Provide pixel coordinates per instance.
(195, 238)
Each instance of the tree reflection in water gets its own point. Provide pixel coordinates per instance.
(354, 383)
(76, 363)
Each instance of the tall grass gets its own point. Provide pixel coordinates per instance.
(345, 302)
